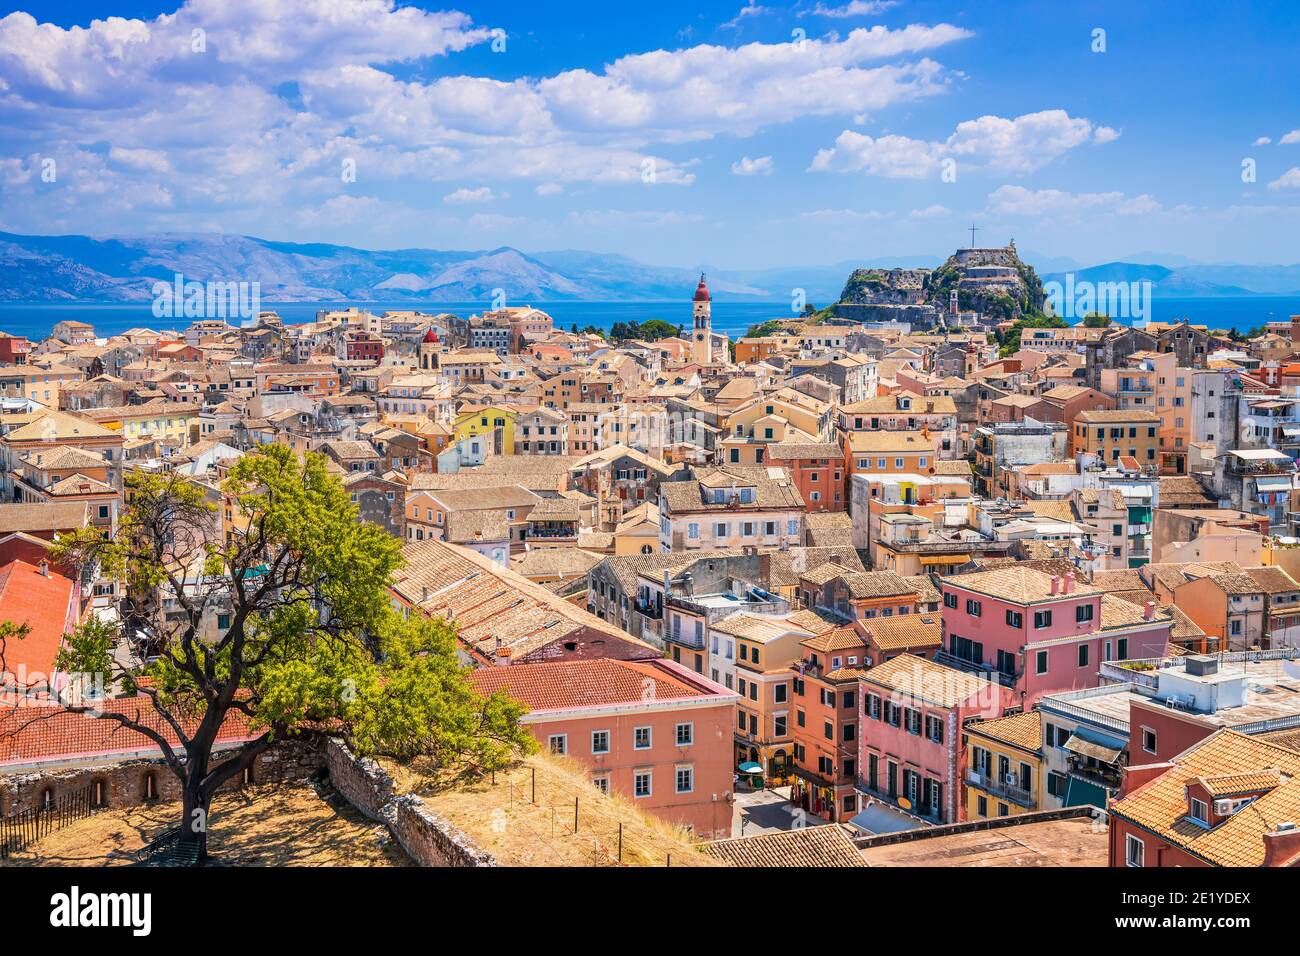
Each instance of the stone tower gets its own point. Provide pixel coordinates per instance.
(702, 336)
(429, 347)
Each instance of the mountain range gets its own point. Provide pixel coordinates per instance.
(125, 268)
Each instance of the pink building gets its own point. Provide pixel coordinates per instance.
(1039, 633)
(652, 731)
(910, 717)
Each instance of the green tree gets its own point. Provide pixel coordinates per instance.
(1096, 320)
(312, 644)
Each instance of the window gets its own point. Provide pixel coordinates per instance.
(779, 693)
(949, 599)
(1134, 850)
(779, 725)
(1198, 811)
(1042, 619)
(641, 783)
(685, 735)
(872, 706)
(982, 806)
(601, 783)
(600, 741)
(1040, 662)
(1083, 613)
(1083, 655)
(1149, 740)
(934, 728)
(1015, 619)
(850, 732)
(641, 738)
(1056, 783)
(558, 743)
(685, 779)
(973, 608)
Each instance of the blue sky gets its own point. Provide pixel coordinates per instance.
(676, 133)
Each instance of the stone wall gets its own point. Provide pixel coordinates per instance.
(426, 837)
(430, 840)
(360, 780)
(127, 782)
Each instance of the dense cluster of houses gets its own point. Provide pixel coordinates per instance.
(905, 580)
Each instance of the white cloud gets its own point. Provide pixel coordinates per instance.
(616, 219)
(750, 9)
(152, 159)
(467, 195)
(1262, 141)
(931, 212)
(843, 215)
(1019, 145)
(1056, 203)
(854, 8)
(1288, 180)
(261, 118)
(1291, 137)
(761, 166)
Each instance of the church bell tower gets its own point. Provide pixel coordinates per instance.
(702, 336)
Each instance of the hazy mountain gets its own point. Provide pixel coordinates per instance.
(125, 268)
(1194, 280)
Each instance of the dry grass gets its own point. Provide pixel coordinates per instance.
(271, 825)
(498, 814)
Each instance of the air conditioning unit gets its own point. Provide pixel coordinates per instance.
(1011, 780)
(1222, 808)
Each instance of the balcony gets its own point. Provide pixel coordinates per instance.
(1091, 771)
(651, 609)
(987, 671)
(990, 784)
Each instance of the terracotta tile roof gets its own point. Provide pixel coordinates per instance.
(843, 638)
(34, 734)
(488, 602)
(577, 684)
(1272, 580)
(1024, 730)
(905, 631)
(1019, 584)
(45, 516)
(1161, 805)
(47, 604)
(819, 846)
(917, 677)
(874, 584)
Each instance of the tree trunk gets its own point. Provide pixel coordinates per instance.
(195, 807)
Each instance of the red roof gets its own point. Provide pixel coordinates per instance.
(702, 290)
(431, 336)
(36, 733)
(47, 604)
(571, 685)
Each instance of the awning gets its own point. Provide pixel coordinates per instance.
(1273, 484)
(1082, 793)
(1106, 752)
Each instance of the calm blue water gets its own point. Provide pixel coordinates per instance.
(34, 320)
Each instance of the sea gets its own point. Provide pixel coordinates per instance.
(34, 320)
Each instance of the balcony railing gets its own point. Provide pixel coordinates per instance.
(650, 609)
(987, 671)
(1104, 775)
(1000, 788)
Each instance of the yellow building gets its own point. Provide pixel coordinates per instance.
(488, 420)
(174, 421)
(1003, 766)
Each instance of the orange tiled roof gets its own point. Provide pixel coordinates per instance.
(46, 603)
(572, 685)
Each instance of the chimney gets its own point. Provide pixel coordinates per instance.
(1281, 845)
(502, 655)
(1056, 585)
(1149, 610)
(44, 568)
(1068, 582)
